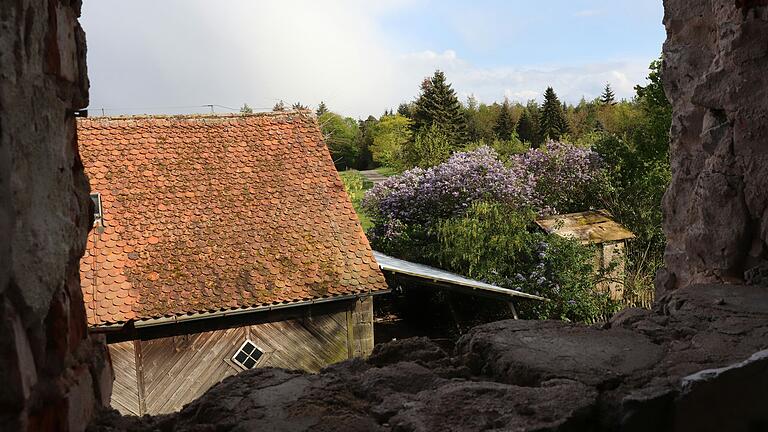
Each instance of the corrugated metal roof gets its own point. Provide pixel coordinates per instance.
(395, 265)
(587, 227)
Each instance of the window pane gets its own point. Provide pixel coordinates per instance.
(241, 357)
(249, 363)
(256, 354)
(248, 348)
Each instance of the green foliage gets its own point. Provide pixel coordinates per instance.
(505, 148)
(430, 147)
(341, 135)
(364, 142)
(356, 185)
(389, 136)
(608, 97)
(636, 151)
(500, 245)
(526, 129)
(279, 106)
(321, 109)
(505, 124)
(552, 123)
(438, 106)
(245, 109)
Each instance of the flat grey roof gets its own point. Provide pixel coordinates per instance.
(431, 274)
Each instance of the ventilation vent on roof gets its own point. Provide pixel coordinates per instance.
(97, 212)
(248, 355)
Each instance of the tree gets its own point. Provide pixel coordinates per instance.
(299, 106)
(321, 109)
(404, 110)
(429, 147)
(608, 97)
(505, 124)
(340, 135)
(389, 135)
(526, 130)
(552, 123)
(364, 142)
(437, 105)
(245, 109)
(280, 106)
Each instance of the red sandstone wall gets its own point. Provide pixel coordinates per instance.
(52, 374)
(716, 209)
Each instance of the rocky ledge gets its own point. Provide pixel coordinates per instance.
(696, 362)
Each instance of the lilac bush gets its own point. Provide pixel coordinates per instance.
(420, 196)
(546, 180)
(567, 177)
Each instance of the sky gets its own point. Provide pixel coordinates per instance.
(360, 57)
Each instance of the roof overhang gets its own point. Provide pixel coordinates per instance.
(432, 275)
(200, 316)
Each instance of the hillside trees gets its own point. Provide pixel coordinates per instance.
(552, 123)
(438, 106)
(341, 137)
(505, 124)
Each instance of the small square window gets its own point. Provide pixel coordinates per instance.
(97, 211)
(248, 355)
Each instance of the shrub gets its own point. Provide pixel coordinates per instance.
(568, 178)
(420, 197)
(498, 244)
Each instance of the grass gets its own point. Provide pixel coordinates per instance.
(356, 186)
(387, 171)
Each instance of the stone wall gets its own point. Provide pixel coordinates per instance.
(716, 209)
(54, 376)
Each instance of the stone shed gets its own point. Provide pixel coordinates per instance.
(596, 227)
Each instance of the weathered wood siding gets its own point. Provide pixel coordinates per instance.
(125, 390)
(167, 373)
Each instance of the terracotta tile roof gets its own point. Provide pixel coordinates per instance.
(207, 213)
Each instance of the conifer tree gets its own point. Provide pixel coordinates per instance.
(526, 130)
(608, 97)
(437, 105)
(552, 123)
(321, 109)
(505, 124)
(280, 106)
(245, 109)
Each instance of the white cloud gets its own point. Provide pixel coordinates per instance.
(189, 53)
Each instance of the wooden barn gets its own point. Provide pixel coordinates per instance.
(220, 244)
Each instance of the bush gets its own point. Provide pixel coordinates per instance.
(430, 147)
(500, 245)
(422, 197)
(568, 178)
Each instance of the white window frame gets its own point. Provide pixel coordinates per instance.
(98, 221)
(242, 366)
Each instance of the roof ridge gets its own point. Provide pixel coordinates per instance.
(201, 116)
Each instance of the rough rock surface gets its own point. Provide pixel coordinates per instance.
(641, 371)
(716, 208)
(54, 376)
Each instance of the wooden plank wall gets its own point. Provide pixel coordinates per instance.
(162, 375)
(176, 370)
(125, 391)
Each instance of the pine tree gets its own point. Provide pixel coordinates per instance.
(505, 124)
(404, 110)
(552, 123)
(280, 106)
(608, 97)
(526, 130)
(298, 106)
(437, 105)
(321, 109)
(245, 109)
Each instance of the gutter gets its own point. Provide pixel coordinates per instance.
(153, 322)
